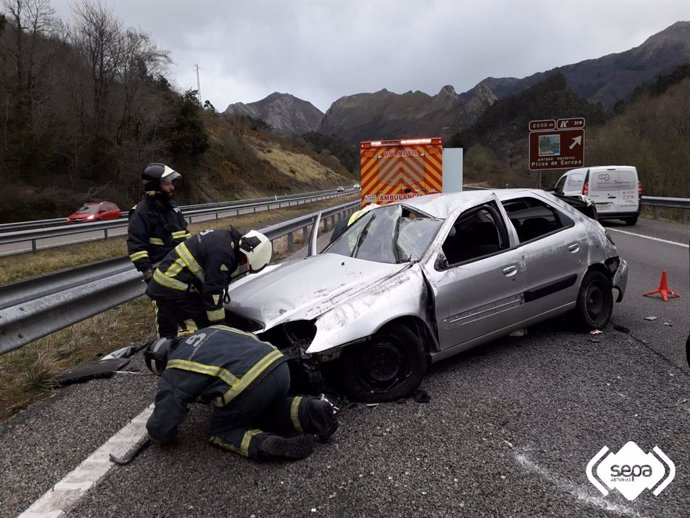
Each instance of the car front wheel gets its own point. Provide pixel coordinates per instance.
(594, 301)
(389, 367)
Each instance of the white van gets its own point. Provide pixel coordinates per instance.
(615, 189)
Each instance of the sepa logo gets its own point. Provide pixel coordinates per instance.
(630, 471)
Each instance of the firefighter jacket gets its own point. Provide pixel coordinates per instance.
(154, 229)
(214, 366)
(201, 265)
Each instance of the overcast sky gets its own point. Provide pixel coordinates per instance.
(320, 50)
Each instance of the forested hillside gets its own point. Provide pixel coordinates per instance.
(85, 105)
(651, 131)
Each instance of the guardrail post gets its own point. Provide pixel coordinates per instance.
(33, 245)
(105, 232)
(685, 217)
(291, 242)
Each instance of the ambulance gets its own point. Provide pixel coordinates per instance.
(393, 170)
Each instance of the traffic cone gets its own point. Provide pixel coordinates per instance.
(662, 290)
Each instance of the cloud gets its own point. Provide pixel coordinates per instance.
(320, 50)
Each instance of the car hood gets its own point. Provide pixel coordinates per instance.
(304, 289)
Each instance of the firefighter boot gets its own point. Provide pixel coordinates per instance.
(298, 447)
(318, 418)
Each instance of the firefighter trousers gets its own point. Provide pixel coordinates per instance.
(265, 409)
(186, 313)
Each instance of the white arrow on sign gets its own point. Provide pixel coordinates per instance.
(577, 141)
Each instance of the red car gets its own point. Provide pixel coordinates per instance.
(95, 211)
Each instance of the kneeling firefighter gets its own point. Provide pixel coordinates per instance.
(246, 380)
(189, 283)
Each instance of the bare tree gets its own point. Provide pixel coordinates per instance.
(98, 34)
(32, 19)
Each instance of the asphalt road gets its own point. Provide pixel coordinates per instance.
(508, 431)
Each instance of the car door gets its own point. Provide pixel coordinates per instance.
(552, 254)
(475, 279)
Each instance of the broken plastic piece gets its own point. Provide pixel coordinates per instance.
(91, 370)
(595, 332)
(650, 318)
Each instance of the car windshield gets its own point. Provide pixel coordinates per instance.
(88, 208)
(389, 234)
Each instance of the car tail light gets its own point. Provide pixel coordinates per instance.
(585, 188)
(639, 188)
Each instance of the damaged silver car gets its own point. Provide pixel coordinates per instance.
(414, 282)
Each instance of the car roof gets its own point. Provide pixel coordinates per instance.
(443, 205)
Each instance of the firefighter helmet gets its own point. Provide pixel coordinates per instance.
(257, 248)
(156, 354)
(156, 173)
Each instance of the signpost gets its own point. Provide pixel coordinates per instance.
(557, 144)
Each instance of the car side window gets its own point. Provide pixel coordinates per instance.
(476, 233)
(533, 218)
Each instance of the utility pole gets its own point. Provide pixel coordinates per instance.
(198, 85)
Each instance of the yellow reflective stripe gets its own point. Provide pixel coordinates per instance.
(138, 255)
(294, 413)
(225, 445)
(238, 331)
(179, 233)
(175, 268)
(189, 260)
(168, 282)
(248, 436)
(156, 241)
(251, 375)
(210, 370)
(215, 314)
(191, 325)
(244, 445)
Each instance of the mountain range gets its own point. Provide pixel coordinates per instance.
(606, 80)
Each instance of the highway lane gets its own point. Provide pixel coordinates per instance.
(509, 430)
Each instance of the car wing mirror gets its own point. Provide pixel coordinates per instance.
(441, 262)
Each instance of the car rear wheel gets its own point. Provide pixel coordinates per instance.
(594, 300)
(631, 220)
(389, 367)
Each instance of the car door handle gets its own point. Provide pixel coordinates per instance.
(510, 271)
(612, 197)
(574, 248)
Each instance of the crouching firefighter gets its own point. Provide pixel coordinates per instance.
(189, 284)
(246, 381)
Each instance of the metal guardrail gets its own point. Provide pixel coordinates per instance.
(35, 308)
(106, 229)
(54, 222)
(672, 203)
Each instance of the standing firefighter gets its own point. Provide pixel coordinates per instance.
(156, 224)
(188, 287)
(246, 380)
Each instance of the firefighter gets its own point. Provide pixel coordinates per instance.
(344, 223)
(189, 284)
(246, 381)
(156, 224)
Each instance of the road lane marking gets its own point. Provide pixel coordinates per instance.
(581, 494)
(649, 237)
(65, 494)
